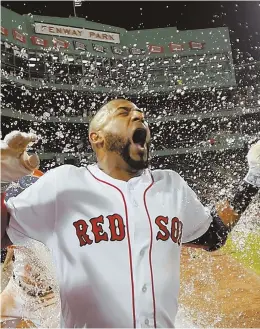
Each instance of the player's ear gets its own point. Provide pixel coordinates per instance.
(96, 139)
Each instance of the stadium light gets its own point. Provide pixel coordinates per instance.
(76, 3)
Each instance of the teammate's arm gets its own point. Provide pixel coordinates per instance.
(5, 241)
(226, 214)
(31, 214)
(8, 258)
(15, 163)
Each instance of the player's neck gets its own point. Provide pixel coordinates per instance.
(117, 170)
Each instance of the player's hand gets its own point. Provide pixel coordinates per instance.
(15, 161)
(253, 158)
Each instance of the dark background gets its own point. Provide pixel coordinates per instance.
(241, 17)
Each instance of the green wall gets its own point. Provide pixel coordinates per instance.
(216, 40)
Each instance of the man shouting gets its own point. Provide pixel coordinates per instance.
(115, 229)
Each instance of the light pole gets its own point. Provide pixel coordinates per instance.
(76, 3)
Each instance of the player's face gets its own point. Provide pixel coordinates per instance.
(128, 135)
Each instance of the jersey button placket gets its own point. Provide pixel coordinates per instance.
(131, 187)
(130, 191)
(146, 322)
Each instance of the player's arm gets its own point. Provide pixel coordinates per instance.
(226, 214)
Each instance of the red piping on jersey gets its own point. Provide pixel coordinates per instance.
(129, 244)
(150, 250)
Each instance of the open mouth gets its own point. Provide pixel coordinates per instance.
(139, 136)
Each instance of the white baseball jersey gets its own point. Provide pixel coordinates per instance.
(116, 245)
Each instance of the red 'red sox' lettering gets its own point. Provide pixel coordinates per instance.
(81, 230)
(161, 221)
(117, 229)
(176, 229)
(97, 229)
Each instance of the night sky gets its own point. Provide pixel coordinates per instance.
(242, 17)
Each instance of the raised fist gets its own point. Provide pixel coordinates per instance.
(15, 161)
(253, 158)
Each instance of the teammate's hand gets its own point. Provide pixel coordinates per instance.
(253, 158)
(49, 299)
(15, 161)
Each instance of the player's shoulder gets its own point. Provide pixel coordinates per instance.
(69, 171)
(65, 169)
(168, 175)
(165, 173)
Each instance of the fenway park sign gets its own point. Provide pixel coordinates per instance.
(75, 32)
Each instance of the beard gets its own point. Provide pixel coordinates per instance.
(119, 145)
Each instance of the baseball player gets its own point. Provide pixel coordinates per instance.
(28, 299)
(115, 228)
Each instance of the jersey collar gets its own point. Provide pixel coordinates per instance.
(145, 177)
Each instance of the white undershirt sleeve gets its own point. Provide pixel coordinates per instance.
(33, 212)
